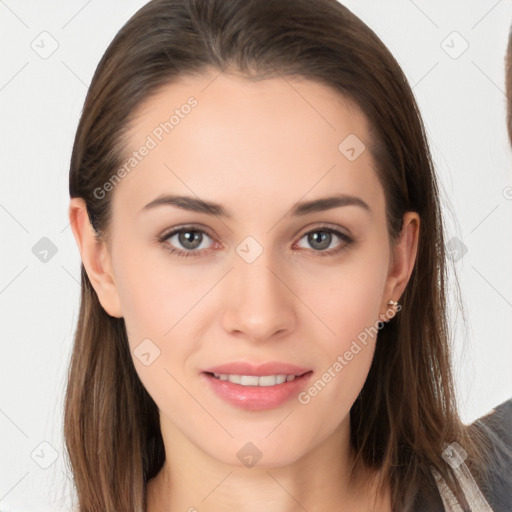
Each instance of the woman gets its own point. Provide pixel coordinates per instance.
(263, 312)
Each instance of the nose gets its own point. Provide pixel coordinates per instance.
(259, 304)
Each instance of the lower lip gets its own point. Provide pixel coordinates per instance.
(257, 398)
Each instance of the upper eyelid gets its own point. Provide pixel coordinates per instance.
(173, 231)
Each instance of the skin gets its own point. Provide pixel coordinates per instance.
(256, 148)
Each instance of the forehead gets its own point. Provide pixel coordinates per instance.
(221, 136)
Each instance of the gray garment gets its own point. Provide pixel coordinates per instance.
(496, 490)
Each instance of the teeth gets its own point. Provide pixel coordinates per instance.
(254, 380)
(248, 380)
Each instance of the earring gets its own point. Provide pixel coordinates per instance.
(392, 303)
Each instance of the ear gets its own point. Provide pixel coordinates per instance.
(403, 259)
(95, 257)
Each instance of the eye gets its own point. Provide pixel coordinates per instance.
(189, 238)
(322, 238)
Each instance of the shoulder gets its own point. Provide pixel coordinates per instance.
(497, 483)
(497, 426)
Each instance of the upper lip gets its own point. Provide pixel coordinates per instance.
(246, 368)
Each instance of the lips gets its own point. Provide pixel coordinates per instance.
(256, 387)
(260, 370)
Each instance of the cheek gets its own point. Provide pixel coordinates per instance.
(349, 308)
(160, 303)
(155, 296)
(347, 297)
(155, 306)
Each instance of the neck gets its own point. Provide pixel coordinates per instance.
(192, 481)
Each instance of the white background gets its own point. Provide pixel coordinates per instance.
(463, 103)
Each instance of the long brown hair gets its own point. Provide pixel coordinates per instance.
(406, 413)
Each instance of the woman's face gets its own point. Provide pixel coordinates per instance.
(259, 277)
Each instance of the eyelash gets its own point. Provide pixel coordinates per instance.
(193, 253)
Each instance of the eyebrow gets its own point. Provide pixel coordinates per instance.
(301, 208)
